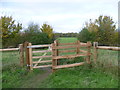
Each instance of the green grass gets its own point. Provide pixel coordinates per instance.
(102, 75)
(67, 40)
(13, 75)
(80, 77)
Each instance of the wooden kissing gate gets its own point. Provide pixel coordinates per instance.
(55, 49)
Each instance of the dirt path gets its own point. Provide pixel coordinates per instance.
(35, 81)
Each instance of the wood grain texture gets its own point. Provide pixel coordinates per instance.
(41, 56)
(70, 56)
(37, 46)
(43, 66)
(108, 48)
(67, 43)
(30, 57)
(10, 49)
(21, 50)
(69, 65)
(41, 51)
(64, 47)
(42, 61)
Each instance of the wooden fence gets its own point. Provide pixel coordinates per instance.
(77, 45)
(21, 52)
(56, 50)
(30, 57)
(96, 47)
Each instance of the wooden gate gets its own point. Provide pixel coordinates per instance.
(31, 63)
(55, 49)
(56, 46)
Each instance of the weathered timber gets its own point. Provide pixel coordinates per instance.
(42, 61)
(89, 51)
(43, 66)
(67, 43)
(37, 46)
(70, 56)
(64, 47)
(30, 57)
(78, 48)
(10, 49)
(41, 51)
(21, 50)
(41, 56)
(69, 65)
(108, 48)
(95, 45)
(83, 44)
(26, 53)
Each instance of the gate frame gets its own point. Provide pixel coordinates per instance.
(55, 54)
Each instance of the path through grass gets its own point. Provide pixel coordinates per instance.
(84, 76)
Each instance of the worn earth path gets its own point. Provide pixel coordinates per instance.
(37, 80)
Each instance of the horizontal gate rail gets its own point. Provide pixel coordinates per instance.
(42, 51)
(67, 43)
(42, 66)
(37, 46)
(42, 61)
(69, 65)
(70, 56)
(64, 47)
(41, 56)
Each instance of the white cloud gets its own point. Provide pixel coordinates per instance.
(63, 15)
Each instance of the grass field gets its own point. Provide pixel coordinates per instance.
(102, 75)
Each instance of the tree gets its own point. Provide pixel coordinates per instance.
(32, 28)
(106, 29)
(84, 35)
(9, 29)
(47, 29)
(33, 34)
(102, 29)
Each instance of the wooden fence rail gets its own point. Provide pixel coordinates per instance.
(96, 47)
(21, 52)
(9, 49)
(56, 49)
(108, 48)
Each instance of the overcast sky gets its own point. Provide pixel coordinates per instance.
(63, 15)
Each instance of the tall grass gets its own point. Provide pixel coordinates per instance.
(13, 75)
(102, 75)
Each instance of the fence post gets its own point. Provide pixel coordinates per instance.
(89, 52)
(26, 53)
(54, 61)
(78, 48)
(21, 50)
(57, 51)
(30, 57)
(95, 44)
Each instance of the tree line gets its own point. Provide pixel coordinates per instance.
(102, 30)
